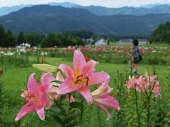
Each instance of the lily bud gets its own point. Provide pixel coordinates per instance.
(45, 67)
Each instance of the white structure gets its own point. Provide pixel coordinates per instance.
(88, 41)
(143, 41)
(101, 42)
(126, 41)
(129, 41)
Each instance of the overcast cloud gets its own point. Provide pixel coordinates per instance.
(105, 3)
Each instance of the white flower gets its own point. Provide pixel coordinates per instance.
(9, 53)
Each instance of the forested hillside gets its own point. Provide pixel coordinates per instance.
(98, 10)
(161, 34)
(43, 19)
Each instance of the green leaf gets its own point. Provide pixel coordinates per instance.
(76, 104)
(56, 109)
(62, 98)
(57, 81)
(73, 124)
(74, 113)
(58, 120)
(69, 119)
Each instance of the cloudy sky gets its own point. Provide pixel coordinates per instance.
(105, 3)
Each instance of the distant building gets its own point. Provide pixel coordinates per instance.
(143, 41)
(125, 41)
(101, 42)
(88, 41)
(129, 41)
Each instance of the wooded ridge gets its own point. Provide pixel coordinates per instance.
(43, 19)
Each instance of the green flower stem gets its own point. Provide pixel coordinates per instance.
(98, 115)
(60, 108)
(148, 109)
(137, 109)
(68, 108)
(82, 111)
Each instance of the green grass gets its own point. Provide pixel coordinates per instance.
(15, 79)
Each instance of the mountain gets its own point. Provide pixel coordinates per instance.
(7, 10)
(63, 4)
(44, 19)
(98, 10)
(150, 5)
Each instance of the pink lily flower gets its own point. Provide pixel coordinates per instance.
(156, 89)
(140, 84)
(81, 76)
(47, 78)
(52, 92)
(131, 82)
(150, 78)
(145, 84)
(103, 99)
(136, 82)
(35, 97)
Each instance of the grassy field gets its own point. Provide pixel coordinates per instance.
(15, 79)
(19, 76)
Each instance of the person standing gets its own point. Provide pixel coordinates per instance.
(135, 57)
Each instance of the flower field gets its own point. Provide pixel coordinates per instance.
(114, 98)
(152, 54)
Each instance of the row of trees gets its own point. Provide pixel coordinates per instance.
(161, 34)
(72, 38)
(60, 40)
(7, 38)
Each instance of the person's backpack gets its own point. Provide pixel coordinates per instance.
(138, 58)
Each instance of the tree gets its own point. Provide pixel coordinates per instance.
(2, 35)
(161, 34)
(20, 38)
(33, 39)
(10, 39)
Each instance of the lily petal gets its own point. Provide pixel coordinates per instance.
(67, 70)
(67, 86)
(59, 76)
(33, 86)
(98, 77)
(105, 110)
(107, 101)
(26, 109)
(85, 91)
(78, 62)
(40, 113)
(89, 67)
(46, 78)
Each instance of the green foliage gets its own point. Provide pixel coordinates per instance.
(80, 34)
(20, 38)
(2, 35)
(99, 10)
(1, 102)
(33, 39)
(93, 116)
(161, 34)
(44, 19)
(59, 40)
(117, 118)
